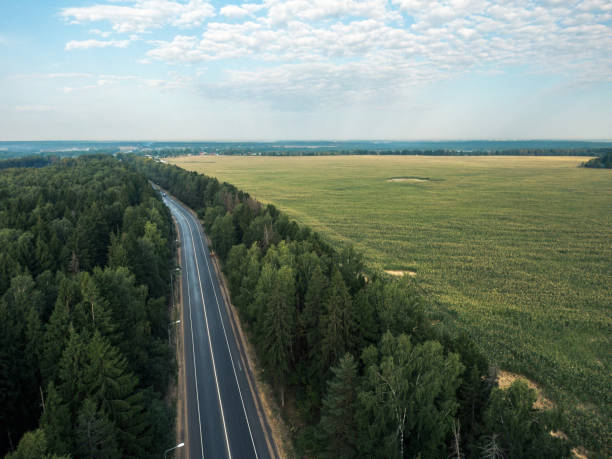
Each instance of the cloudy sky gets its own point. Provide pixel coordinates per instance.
(305, 69)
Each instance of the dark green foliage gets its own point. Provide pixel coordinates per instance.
(338, 426)
(223, 235)
(409, 393)
(601, 162)
(95, 435)
(34, 445)
(336, 322)
(84, 273)
(416, 391)
(278, 326)
(516, 428)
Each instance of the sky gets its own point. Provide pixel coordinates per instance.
(305, 69)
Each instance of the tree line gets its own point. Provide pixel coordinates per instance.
(603, 161)
(84, 279)
(235, 151)
(353, 355)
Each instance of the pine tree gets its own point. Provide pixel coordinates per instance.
(313, 308)
(337, 425)
(56, 422)
(279, 327)
(56, 332)
(337, 322)
(117, 255)
(95, 434)
(108, 382)
(259, 307)
(249, 281)
(71, 385)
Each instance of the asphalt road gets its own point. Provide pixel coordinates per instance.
(222, 419)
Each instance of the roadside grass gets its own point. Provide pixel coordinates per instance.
(515, 251)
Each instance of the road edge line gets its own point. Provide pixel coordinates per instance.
(236, 325)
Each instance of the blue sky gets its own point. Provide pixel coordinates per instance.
(305, 69)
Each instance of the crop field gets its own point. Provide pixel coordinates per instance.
(515, 251)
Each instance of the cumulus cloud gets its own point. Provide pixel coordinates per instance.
(87, 44)
(241, 11)
(143, 15)
(360, 48)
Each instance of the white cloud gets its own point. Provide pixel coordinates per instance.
(240, 11)
(101, 33)
(281, 12)
(361, 48)
(143, 15)
(233, 11)
(33, 108)
(87, 44)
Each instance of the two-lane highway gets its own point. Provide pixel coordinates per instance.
(222, 419)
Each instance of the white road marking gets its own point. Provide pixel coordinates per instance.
(195, 366)
(227, 343)
(210, 343)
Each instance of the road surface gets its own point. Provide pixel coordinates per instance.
(222, 420)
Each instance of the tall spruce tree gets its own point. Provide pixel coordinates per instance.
(336, 323)
(279, 328)
(337, 426)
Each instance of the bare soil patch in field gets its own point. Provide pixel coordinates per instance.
(400, 273)
(408, 179)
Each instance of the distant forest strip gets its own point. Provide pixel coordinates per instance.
(355, 355)
(28, 161)
(85, 261)
(601, 162)
(299, 152)
(64, 149)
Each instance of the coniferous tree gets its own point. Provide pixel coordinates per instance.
(337, 425)
(336, 323)
(56, 422)
(279, 327)
(95, 436)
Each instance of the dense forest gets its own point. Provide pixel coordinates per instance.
(601, 162)
(358, 367)
(238, 151)
(84, 275)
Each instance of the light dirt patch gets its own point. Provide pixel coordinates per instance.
(558, 434)
(579, 453)
(400, 273)
(407, 179)
(506, 378)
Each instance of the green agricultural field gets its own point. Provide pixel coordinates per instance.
(516, 251)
